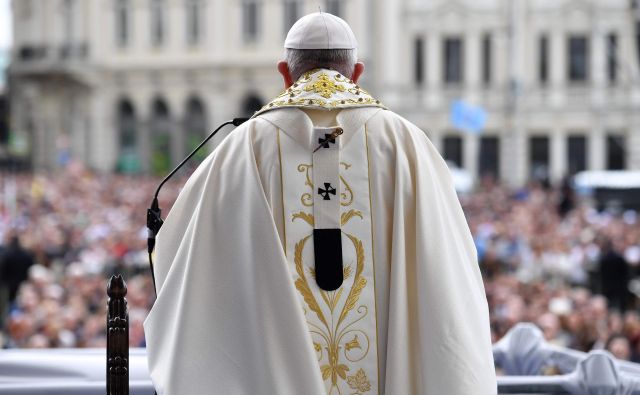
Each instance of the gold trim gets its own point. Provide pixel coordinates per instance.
(373, 259)
(284, 222)
(316, 89)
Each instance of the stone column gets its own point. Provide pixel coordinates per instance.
(388, 50)
(144, 138)
(558, 157)
(436, 140)
(434, 71)
(104, 134)
(633, 143)
(176, 127)
(472, 64)
(514, 161)
(557, 66)
(596, 149)
(471, 146)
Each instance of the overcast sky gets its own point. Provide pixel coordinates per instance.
(5, 24)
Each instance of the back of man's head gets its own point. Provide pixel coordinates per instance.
(302, 60)
(320, 40)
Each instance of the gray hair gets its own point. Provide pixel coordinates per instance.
(302, 60)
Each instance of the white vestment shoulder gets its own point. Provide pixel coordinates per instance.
(238, 311)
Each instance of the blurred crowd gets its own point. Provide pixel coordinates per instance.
(550, 258)
(547, 257)
(64, 235)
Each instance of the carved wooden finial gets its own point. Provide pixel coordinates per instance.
(116, 287)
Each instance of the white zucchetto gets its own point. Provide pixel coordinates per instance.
(320, 30)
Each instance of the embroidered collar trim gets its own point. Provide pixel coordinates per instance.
(322, 89)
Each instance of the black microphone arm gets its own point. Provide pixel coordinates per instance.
(154, 219)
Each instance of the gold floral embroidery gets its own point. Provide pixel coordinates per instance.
(353, 344)
(359, 381)
(324, 86)
(306, 198)
(347, 215)
(332, 334)
(316, 89)
(304, 216)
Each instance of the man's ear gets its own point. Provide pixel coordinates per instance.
(358, 69)
(283, 68)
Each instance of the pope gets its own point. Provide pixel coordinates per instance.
(320, 249)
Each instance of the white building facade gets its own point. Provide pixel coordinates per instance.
(134, 84)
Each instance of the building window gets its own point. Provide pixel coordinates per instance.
(612, 59)
(453, 71)
(122, 22)
(194, 9)
(543, 59)
(251, 104)
(195, 125)
(291, 12)
(128, 160)
(486, 59)
(578, 59)
(452, 150)
(489, 158)
(616, 153)
(334, 7)
(576, 154)
(250, 20)
(157, 22)
(160, 136)
(418, 65)
(539, 158)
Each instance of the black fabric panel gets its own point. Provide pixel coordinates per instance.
(327, 247)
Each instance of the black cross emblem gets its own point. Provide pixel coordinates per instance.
(328, 189)
(324, 142)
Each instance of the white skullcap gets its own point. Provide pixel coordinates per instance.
(320, 31)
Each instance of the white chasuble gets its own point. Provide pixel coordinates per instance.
(239, 310)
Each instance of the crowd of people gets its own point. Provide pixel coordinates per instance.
(78, 228)
(550, 258)
(547, 257)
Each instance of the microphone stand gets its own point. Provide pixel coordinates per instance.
(154, 219)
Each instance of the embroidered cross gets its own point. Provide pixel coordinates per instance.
(328, 139)
(328, 189)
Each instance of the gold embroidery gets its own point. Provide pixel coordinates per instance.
(353, 344)
(301, 283)
(359, 381)
(373, 260)
(333, 335)
(347, 215)
(335, 317)
(346, 272)
(306, 198)
(316, 89)
(324, 86)
(304, 216)
(284, 222)
(359, 282)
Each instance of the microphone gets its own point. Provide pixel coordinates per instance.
(154, 219)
